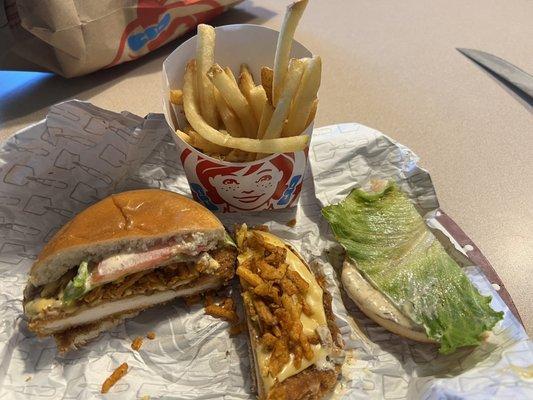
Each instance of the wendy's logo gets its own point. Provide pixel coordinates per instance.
(272, 183)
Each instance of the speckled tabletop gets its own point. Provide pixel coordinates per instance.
(392, 66)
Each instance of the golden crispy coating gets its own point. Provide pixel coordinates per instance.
(288, 287)
(300, 283)
(137, 343)
(268, 290)
(270, 273)
(279, 357)
(268, 340)
(264, 312)
(221, 312)
(251, 278)
(115, 376)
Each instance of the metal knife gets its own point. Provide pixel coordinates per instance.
(510, 74)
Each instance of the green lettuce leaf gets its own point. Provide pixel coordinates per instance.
(79, 285)
(395, 251)
(228, 241)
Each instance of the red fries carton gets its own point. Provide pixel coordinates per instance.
(271, 183)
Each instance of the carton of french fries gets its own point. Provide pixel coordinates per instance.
(241, 100)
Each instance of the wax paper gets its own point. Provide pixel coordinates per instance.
(80, 153)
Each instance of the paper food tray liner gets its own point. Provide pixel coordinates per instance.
(80, 153)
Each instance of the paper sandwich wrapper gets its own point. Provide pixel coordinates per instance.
(73, 38)
(273, 182)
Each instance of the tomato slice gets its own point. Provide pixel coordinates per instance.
(114, 267)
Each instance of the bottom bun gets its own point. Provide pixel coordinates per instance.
(377, 307)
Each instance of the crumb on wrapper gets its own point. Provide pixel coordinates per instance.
(137, 343)
(114, 377)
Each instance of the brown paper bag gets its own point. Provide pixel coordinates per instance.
(74, 38)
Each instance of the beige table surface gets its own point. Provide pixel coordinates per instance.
(391, 65)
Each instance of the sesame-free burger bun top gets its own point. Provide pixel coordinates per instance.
(133, 218)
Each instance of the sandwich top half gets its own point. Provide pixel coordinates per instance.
(128, 252)
(296, 345)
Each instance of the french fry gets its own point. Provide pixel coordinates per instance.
(237, 155)
(312, 113)
(173, 110)
(283, 48)
(246, 81)
(230, 120)
(205, 58)
(296, 69)
(186, 138)
(229, 73)
(205, 145)
(303, 101)
(176, 96)
(235, 99)
(257, 98)
(267, 74)
(268, 110)
(193, 116)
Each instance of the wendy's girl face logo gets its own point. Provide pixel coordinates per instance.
(272, 183)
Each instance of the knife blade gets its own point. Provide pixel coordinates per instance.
(510, 74)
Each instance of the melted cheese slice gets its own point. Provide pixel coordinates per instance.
(310, 324)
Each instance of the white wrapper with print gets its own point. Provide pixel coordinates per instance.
(81, 154)
(271, 183)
